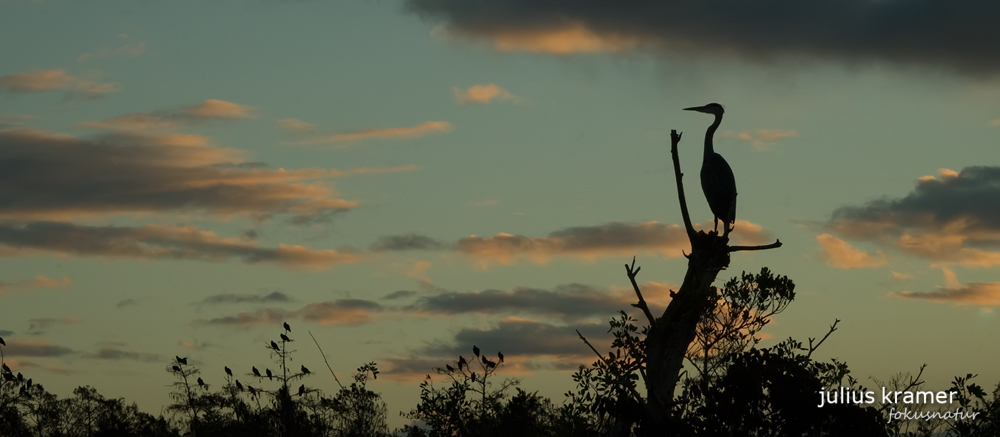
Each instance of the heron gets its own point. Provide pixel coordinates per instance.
(462, 362)
(717, 180)
(176, 369)
(302, 389)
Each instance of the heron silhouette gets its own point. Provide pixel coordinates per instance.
(717, 180)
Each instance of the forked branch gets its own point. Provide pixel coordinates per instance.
(632, 271)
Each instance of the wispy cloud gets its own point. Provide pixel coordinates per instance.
(127, 50)
(482, 94)
(158, 242)
(32, 348)
(39, 281)
(34, 81)
(110, 353)
(230, 298)
(296, 126)
(209, 110)
(338, 312)
(394, 132)
(405, 242)
(47, 322)
(126, 302)
(840, 254)
(981, 294)
(761, 139)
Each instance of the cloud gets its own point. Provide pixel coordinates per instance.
(209, 110)
(927, 33)
(567, 302)
(761, 139)
(953, 219)
(482, 94)
(840, 254)
(405, 242)
(339, 312)
(29, 348)
(591, 242)
(46, 80)
(126, 302)
(110, 353)
(126, 50)
(523, 342)
(296, 126)
(901, 276)
(38, 282)
(157, 242)
(401, 294)
(981, 294)
(47, 322)
(13, 120)
(230, 298)
(995, 122)
(395, 132)
(60, 177)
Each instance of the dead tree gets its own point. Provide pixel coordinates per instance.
(670, 334)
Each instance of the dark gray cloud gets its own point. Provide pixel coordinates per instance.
(339, 312)
(157, 242)
(401, 294)
(950, 219)
(960, 35)
(34, 349)
(5, 333)
(126, 302)
(568, 302)
(47, 322)
(228, 298)
(110, 353)
(405, 242)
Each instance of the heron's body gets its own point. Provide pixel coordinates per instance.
(717, 180)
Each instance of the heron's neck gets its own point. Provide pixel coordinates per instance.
(709, 149)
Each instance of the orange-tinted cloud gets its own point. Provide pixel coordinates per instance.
(208, 110)
(39, 281)
(981, 294)
(840, 254)
(46, 80)
(950, 219)
(296, 126)
(482, 94)
(60, 177)
(34, 348)
(761, 139)
(564, 40)
(591, 242)
(395, 132)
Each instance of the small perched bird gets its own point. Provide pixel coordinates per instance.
(302, 389)
(238, 385)
(20, 377)
(475, 350)
(228, 371)
(256, 372)
(269, 374)
(473, 376)
(5, 368)
(252, 391)
(3, 342)
(461, 362)
(176, 369)
(183, 361)
(201, 382)
(448, 366)
(287, 328)
(285, 338)
(28, 384)
(485, 361)
(275, 346)
(500, 356)
(305, 370)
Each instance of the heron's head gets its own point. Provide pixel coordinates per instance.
(711, 108)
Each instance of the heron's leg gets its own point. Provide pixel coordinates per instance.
(716, 226)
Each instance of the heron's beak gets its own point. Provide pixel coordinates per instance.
(698, 108)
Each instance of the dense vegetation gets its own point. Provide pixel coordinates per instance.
(731, 387)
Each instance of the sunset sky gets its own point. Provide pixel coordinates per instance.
(407, 178)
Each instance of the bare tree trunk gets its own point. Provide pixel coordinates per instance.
(670, 335)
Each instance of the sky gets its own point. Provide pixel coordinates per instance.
(404, 179)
